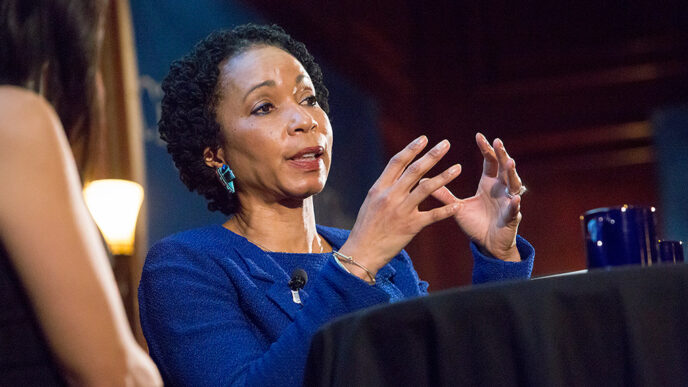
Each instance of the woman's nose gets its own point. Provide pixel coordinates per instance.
(301, 120)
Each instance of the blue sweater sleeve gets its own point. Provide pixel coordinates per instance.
(198, 333)
(488, 269)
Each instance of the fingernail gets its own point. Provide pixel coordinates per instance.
(443, 144)
(419, 141)
(453, 170)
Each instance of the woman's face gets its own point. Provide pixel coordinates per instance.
(278, 139)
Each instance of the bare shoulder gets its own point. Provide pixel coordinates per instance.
(27, 120)
(34, 153)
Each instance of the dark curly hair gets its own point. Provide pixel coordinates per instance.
(188, 121)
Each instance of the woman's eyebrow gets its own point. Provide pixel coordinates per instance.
(300, 78)
(269, 82)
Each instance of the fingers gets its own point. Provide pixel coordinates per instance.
(490, 164)
(514, 181)
(420, 167)
(507, 168)
(440, 213)
(502, 156)
(428, 187)
(444, 195)
(514, 208)
(397, 164)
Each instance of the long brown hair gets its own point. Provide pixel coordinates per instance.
(51, 46)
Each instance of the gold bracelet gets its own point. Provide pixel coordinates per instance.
(350, 260)
(340, 264)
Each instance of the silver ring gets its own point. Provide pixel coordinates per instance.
(520, 192)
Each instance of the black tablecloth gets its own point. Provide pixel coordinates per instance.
(621, 327)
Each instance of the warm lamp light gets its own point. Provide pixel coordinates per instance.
(114, 205)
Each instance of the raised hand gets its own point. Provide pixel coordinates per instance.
(491, 217)
(389, 217)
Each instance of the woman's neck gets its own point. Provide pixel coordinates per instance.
(277, 227)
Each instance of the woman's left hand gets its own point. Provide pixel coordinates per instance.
(490, 217)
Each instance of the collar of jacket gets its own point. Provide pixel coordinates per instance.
(262, 267)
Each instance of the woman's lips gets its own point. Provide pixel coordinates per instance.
(308, 159)
(308, 162)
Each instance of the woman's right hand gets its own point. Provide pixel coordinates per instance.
(389, 217)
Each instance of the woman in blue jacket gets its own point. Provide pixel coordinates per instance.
(245, 119)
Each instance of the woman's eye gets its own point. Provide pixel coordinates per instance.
(263, 109)
(311, 101)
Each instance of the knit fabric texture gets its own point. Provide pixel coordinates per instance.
(216, 309)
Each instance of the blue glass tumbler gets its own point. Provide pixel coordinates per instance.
(623, 235)
(671, 251)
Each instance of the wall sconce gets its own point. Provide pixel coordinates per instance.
(114, 205)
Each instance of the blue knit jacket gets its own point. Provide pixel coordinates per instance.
(216, 310)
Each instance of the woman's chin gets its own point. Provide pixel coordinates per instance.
(305, 192)
(297, 198)
(306, 188)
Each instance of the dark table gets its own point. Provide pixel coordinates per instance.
(620, 327)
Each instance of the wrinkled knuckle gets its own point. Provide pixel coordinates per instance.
(435, 152)
(513, 162)
(413, 168)
(383, 199)
(374, 190)
(437, 215)
(425, 186)
(397, 159)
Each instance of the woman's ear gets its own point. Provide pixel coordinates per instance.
(213, 159)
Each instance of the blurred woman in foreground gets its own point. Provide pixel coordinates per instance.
(60, 303)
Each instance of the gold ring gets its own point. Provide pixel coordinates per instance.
(520, 192)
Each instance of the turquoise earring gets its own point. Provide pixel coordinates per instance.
(226, 177)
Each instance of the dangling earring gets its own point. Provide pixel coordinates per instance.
(226, 177)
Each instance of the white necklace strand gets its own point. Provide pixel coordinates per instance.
(273, 251)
